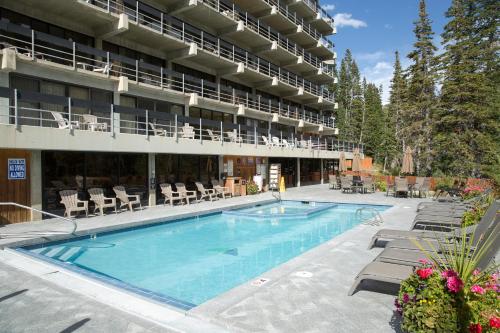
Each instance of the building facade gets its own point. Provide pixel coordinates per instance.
(96, 93)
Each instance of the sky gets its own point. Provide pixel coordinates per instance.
(374, 29)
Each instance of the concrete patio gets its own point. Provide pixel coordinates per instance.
(59, 300)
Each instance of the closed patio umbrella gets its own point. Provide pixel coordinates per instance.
(356, 161)
(342, 163)
(407, 167)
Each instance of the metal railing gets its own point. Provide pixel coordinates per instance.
(41, 212)
(170, 26)
(63, 113)
(85, 58)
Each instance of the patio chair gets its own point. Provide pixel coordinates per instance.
(157, 131)
(332, 182)
(368, 185)
(188, 195)
(69, 198)
(106, 69)
(93, 124)
(401, 187)
(233, 136)
(266, 141)
(345, 184)
(304, 144)
(170, 195)
(221, 190)
(125, 198)
(206, 193)
(64, 123)
(213, 137)
(392, 234)
(277, 142)
(100, 201)
(187, 132)
(288, 144)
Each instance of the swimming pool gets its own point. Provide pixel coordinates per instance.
(187, 262)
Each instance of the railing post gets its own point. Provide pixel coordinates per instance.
(161, 77)
(202, 87)
(239, 133)
(32, 44)
(175, 128)
(255, 135)
(74, 55)
(16, 111)
(112, 120)
(147, 124)
(183, 83)
(201, 133)
(69, 114)
(201, 39)
(137, 12)
(136, 71)
(161, 22)
(221, 133)
(108, 6)
(234, 96)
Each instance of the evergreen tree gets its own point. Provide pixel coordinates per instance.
(467, 120)
(397, 105)
(374, 124)
(421, 93)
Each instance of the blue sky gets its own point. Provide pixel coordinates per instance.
(375, 29)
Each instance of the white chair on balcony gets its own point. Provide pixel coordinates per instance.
(104, 70)
(233, 136)
(277, 142)
(266, 141)
(93, 123)
(213, 137)
(288, 144)
(187, 132)
(64, 123)
(157, 131)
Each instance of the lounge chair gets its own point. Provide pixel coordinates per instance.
(221, 190)
(106, 69)
(287, 144)
(332, 182)
(206, 193)
(401, 187)
(368, 185)
(345, 184)
(187, 132)
(213, 137)
(64, 123)
(157, 131)
(392, 234)
(125, 198)
(92, 123)
(266, 141)
(305, 144)
(396, 273)
(170, 195)
(188, 195)
(277, 142)
(69, 198)
(233, 136)
(100, 201)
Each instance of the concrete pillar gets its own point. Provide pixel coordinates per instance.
(298, 172)
(152, 179)
(36, 183)
(322, 171)
(221, 168)
(186, 109)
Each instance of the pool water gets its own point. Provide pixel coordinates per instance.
(196, 259)
(285, 208)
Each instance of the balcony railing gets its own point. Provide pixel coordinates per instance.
(297, 20)
(43, 47)
(70, 114)
(168, 25)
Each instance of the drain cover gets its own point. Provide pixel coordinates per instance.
(259, 282)
(304, 274)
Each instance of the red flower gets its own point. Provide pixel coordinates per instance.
(495, 322)
(424, 273)
(475, 328)
(454, 284)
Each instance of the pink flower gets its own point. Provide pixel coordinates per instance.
(424, 273)
(476, 272)
(495, 322)
(424, 261)
(477, 289)
(448, 273)
(406, 298)
(475, 328)
(454, 284)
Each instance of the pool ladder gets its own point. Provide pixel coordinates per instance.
(375, 219)
(276, 196)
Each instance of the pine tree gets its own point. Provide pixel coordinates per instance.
(421, 93)
(467, 120)
(374, 124)
(397, 105)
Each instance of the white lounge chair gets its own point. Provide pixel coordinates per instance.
(125, 198)
(266, 141)
(206, 193)
(100, 201)
(287, 144)
(277, 142)
(233, 136)
(170, 195)
(64, 123)
(187, 132)
(157, 131)
(188, 195)
(221, 190)
(214, 137)
(69, 198)
(104, 70)
(93, 124)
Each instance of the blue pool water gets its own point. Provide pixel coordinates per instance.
(196, 259)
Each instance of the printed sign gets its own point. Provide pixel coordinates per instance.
(17, 168)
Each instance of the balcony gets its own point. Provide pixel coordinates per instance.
(106, 127)
(23, 46)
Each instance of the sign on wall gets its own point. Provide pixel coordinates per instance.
(17, 168)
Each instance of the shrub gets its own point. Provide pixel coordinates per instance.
(444, 184)
(252, 188)
(471, 192)
(473, 216)
(381, 185)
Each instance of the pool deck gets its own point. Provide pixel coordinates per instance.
(60, 300)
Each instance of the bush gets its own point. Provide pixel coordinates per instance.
(444, 184)
(473, 216)
(252, 188)
(381, 185)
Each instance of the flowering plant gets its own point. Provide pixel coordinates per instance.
(472, 191)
